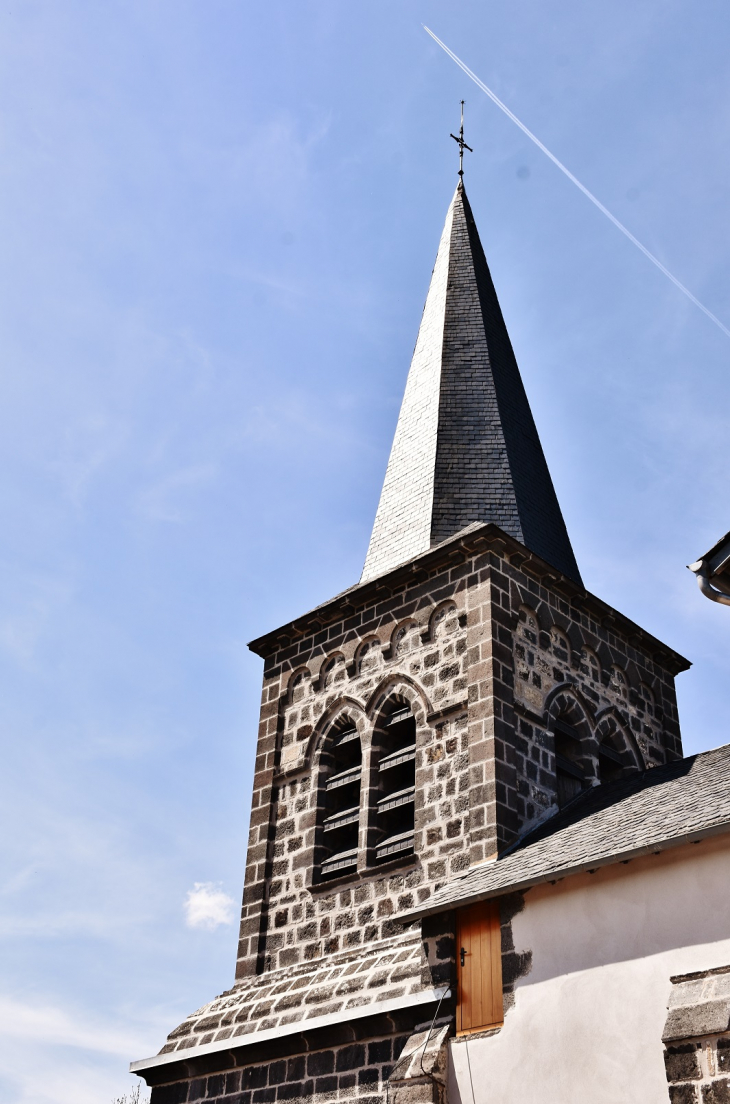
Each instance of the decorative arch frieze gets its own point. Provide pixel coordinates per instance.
(589, 665)
(369, 656)
(444, 620)
(619, 683)
(333, 671)
(540, 610)
(560, 646)
(405, 638)
(528, 624)
(299, 685)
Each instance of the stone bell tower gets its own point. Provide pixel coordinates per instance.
(417, 724)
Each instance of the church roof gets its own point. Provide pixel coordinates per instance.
(466, 448)
(380, 978)
(654, 810)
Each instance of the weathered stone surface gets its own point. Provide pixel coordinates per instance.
(699, 1011)
(682, 1094)
(717, 1093)
(705, 1018)
(681, 1063)
(339, 1073)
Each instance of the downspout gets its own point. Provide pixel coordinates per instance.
(703, 582)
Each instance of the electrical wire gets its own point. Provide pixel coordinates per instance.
(428, 1037)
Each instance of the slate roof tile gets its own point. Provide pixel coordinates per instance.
(646, 811)
(466, 448)
(312, 989)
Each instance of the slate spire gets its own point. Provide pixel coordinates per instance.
(466, 448)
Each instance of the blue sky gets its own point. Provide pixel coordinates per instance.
(218, 223)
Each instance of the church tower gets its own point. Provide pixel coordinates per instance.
(421, 722)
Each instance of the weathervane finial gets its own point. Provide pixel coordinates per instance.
(461, 143)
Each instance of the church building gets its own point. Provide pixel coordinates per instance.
(479, 868)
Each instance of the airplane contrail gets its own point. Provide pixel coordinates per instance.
(503, 107)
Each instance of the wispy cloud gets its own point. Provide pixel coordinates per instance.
(207, 906)
(46, 1024)
(85, 448)
(28, 608)
(161, 501)
(57, 1056)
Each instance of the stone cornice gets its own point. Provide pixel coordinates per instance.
(474, 539)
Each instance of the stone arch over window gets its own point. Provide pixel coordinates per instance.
(618, 752)
(333, 672)
(619, 683)
(405, 639)
(391, 824)
(369, 656)
(339, 787)
(590, 665)
(443, 621)
(568, 720)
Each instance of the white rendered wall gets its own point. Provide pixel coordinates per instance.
(588, 1019)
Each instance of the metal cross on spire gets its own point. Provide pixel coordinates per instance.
(461, 143)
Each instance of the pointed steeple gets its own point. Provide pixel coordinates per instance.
(466, 448)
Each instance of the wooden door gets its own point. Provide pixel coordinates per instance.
(479, 968)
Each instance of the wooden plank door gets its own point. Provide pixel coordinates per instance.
(479, 968)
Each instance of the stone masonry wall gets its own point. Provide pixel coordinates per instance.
(697, 1038)
(423, 663)
(372, 1061)
(451, 635)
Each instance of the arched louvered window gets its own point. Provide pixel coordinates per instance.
(618, 753)
(570, 775)
(610, 761)
(339, 800)
(395, 784)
